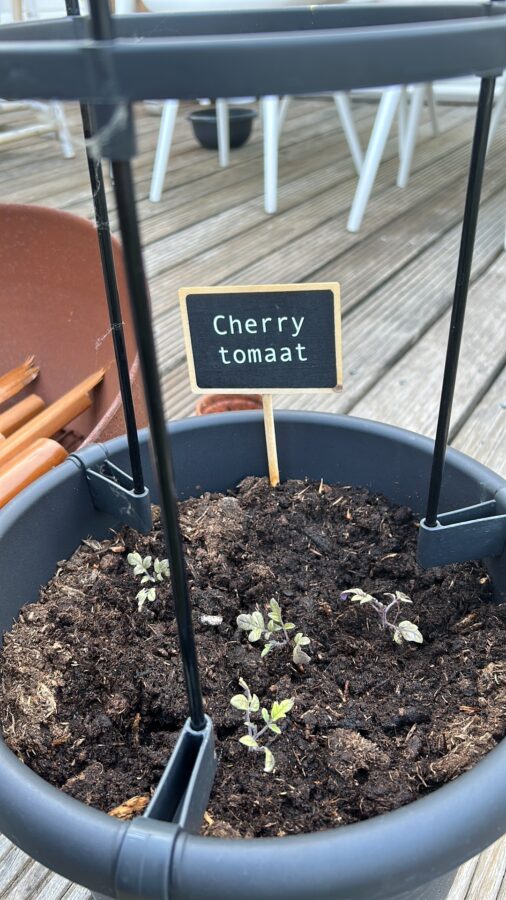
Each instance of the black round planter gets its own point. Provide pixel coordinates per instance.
(205, 126)
(410, 853)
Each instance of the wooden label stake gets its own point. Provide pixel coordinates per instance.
(270, 440)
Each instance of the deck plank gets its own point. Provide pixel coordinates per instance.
(488, 874)
(12, 867)
(483, 436)
(463, 879)
(408, 395)
(389, 215)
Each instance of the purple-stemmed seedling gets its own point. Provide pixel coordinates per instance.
(402, 631)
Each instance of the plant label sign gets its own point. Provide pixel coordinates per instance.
(263, 339)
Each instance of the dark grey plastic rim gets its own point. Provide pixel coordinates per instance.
(383, 857)
(283, 51)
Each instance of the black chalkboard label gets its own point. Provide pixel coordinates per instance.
(267, 338)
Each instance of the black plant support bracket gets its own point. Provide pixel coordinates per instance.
(145, 860)
(112, 490)
(184, 788)
(474, 532)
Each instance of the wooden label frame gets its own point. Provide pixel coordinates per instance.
(333, 322)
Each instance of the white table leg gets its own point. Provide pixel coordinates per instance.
(169, 113)
(222, 124)
(344, 109)
(497, 114)
(283, 109)
(415, 114)
(270, 118)
(379, 136)
(432, 108)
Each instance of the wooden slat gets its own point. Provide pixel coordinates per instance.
(408, 395)
(31, 883)
(327, 193)
(483, 436)
(395, 317)
(295, 259)
(488, 874)
(12, 867)
(463, 879)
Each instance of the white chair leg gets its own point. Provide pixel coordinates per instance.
(344, 110)
(381, 129)
(402, 121)
(270, 118)
(223, 126)
(283, 109)
(169, 113)
(497, 114)
(431, 100)
(415, 113)
(63, 131)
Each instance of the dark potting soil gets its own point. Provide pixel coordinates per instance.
(92, 693)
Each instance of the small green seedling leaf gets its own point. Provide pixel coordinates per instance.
(409, 632)
(275, 728)
(257, 620)
(265, 715)
(301, 640)
(255, 635)
(275, 611)
(244, 622)
(357, 595)
(254, 704)
(269, 760)
(286, 705)
(239, 701)
(299, 657)
(267, 649)
(280, 709)
(248, 741)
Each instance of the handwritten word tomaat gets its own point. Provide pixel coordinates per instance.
(268, 338)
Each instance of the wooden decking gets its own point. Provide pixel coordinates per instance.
(396, 275)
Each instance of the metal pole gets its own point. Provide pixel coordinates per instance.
(139, 299)
(472, 205)
(111, 288)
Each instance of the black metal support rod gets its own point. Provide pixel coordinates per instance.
(142, 317)
(141, 311)
(111, 288)
(476, 168)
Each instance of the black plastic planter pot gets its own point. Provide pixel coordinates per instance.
(205, 129)
(409, 853)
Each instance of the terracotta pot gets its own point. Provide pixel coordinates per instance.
(218, 403)
(53, 305)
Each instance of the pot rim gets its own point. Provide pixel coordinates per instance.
(413, 844)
